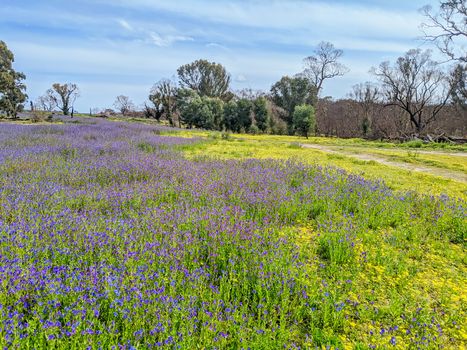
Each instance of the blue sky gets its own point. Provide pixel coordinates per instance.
(114, 47)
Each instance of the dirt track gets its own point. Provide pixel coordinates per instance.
(450, 174)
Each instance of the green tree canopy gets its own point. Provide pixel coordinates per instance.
(288, 93)
(261, 112)
(64, 96)
(208, 79)
(458, 79)
(304, 119)
(12, 88)
(163, 95)
(238, 115)
(200, 111)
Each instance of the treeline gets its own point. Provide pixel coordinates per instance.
(202, 98)
(344, 118)
(410, 97)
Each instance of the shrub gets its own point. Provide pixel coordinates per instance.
(304, 119)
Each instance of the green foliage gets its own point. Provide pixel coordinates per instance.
(294, 145)
(458, 86)
(335, 248)
(253, 129)
(288, 93)
(414, 144)
(218, 254)
(185, 98)
(237, 115)
(12, 89)
(230, 115)
(208, 79)
(366, 127)
(200, 112)
(212, 111)
(244, 108)
(226, 136)
(261, 113)
(163, 95)
(41, 116)
(304, 119)
(64, 95)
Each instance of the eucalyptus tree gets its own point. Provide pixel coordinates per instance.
(12, 88)
(415, 84)
(208, 79)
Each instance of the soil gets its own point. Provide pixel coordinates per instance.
(449, 174)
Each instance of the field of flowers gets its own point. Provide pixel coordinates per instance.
(110, 238)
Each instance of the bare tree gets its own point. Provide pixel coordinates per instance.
(323, 65)
(64, 96)
(124, 104)
(46, 102)
(367, 97)
(149, 112)
(249, 94)
(447, 28)
(162, 95)
(416, 85)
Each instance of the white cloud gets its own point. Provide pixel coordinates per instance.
(167, 40)
(125, 25)
(121, 51)
(217, 46)
(241, 78)
(293, 14)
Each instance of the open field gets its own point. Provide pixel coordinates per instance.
(401, 167)
(137, 236)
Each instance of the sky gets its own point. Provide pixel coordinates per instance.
(122, 47)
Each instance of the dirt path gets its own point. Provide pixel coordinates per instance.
(450, 174)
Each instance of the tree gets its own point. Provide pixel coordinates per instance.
(230, 116)
(367, 97)
(124, 104)
(447, 28)
(184, 101)
(206, 78)
(458, 80)
(249, 93)
(416, 85)
(12, 89)
(323, 65)
(163, 94)
(304, 119)
(200, 111)
(237, 115)
(244, 109)
(152, 112)
(261, 113)
(212, 111)
(288, 93)
(45, 103)
(64, 96)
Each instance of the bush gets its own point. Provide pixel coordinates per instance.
(40, 116)
(253, 130)
(414, 144)
(304, 119)
(226, 136)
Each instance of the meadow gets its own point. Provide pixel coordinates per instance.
(117, 235)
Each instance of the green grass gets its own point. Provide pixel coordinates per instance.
(127, 240)
(396, 178)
